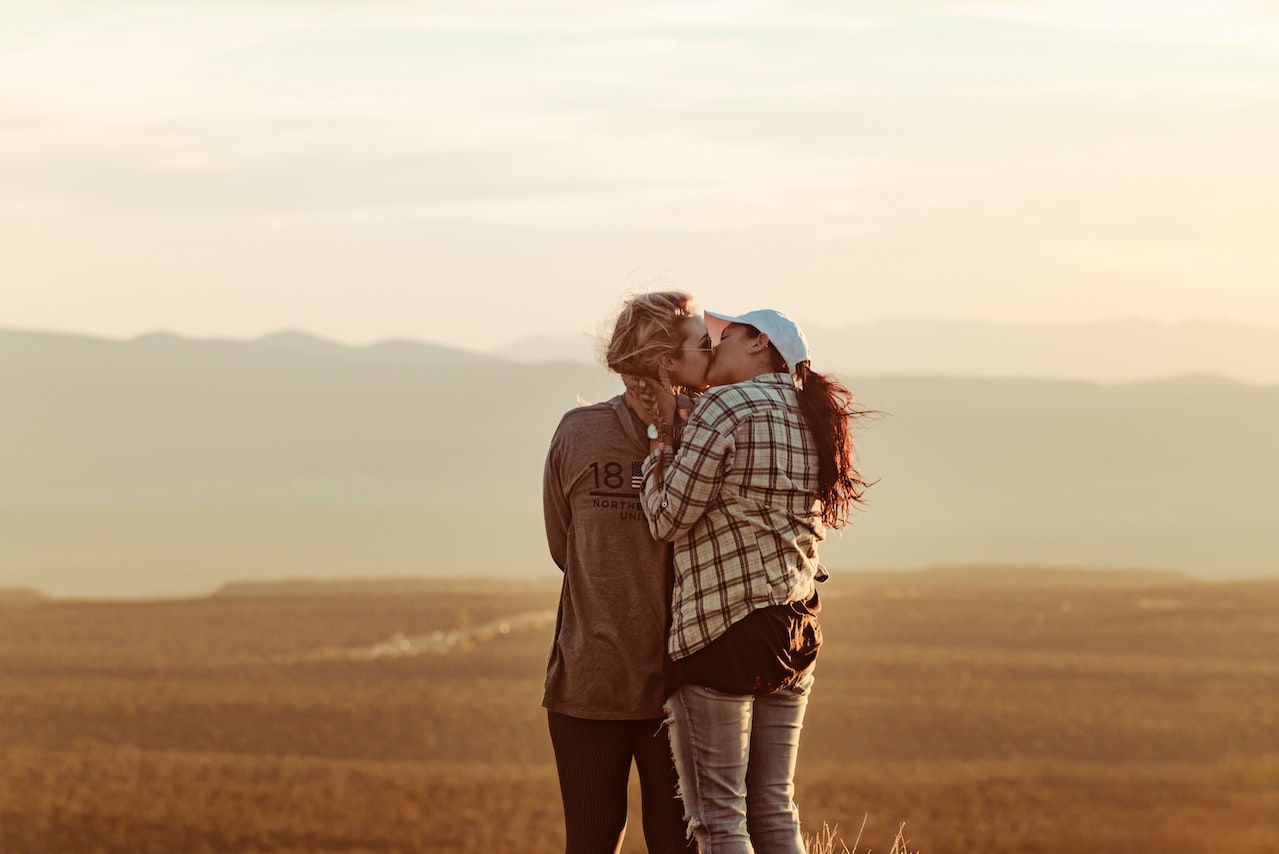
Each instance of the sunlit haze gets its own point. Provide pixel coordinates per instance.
(470, 173)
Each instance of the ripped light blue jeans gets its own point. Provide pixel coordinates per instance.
(735, 756)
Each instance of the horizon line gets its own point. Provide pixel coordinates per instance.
(328, 339)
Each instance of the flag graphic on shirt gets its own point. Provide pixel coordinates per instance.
(637, 474)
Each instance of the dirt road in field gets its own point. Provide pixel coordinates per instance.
(439, 642)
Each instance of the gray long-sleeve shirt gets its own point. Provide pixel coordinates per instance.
(606, 661)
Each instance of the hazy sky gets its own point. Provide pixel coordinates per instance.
(471, 172)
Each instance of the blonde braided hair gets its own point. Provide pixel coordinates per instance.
(648, 326)
(643, 389)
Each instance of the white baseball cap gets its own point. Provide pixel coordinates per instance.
(783, 333)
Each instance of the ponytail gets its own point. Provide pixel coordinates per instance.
(828, 410)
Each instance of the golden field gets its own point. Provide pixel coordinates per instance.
(992, 711)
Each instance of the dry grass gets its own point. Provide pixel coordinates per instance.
(1049, 719)
(824, 842)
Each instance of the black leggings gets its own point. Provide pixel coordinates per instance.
(594, 763)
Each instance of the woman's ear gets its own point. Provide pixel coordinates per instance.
(760, 343)
(666, 362)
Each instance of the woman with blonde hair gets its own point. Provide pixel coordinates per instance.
(765, 464)
(605, 680)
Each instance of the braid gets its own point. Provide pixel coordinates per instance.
(643, 389)
(647, 327)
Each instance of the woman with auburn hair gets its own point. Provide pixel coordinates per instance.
(605, 680)
(765, 464)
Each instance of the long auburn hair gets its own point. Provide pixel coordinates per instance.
(829, 412)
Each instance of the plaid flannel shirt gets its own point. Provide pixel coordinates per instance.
(739, 500)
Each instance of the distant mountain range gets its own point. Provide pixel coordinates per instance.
(1118, 351)
(166, 466)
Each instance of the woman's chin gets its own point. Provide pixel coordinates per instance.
(714, 378)
(696, 384)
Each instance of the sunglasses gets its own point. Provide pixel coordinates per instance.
(705, 348)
